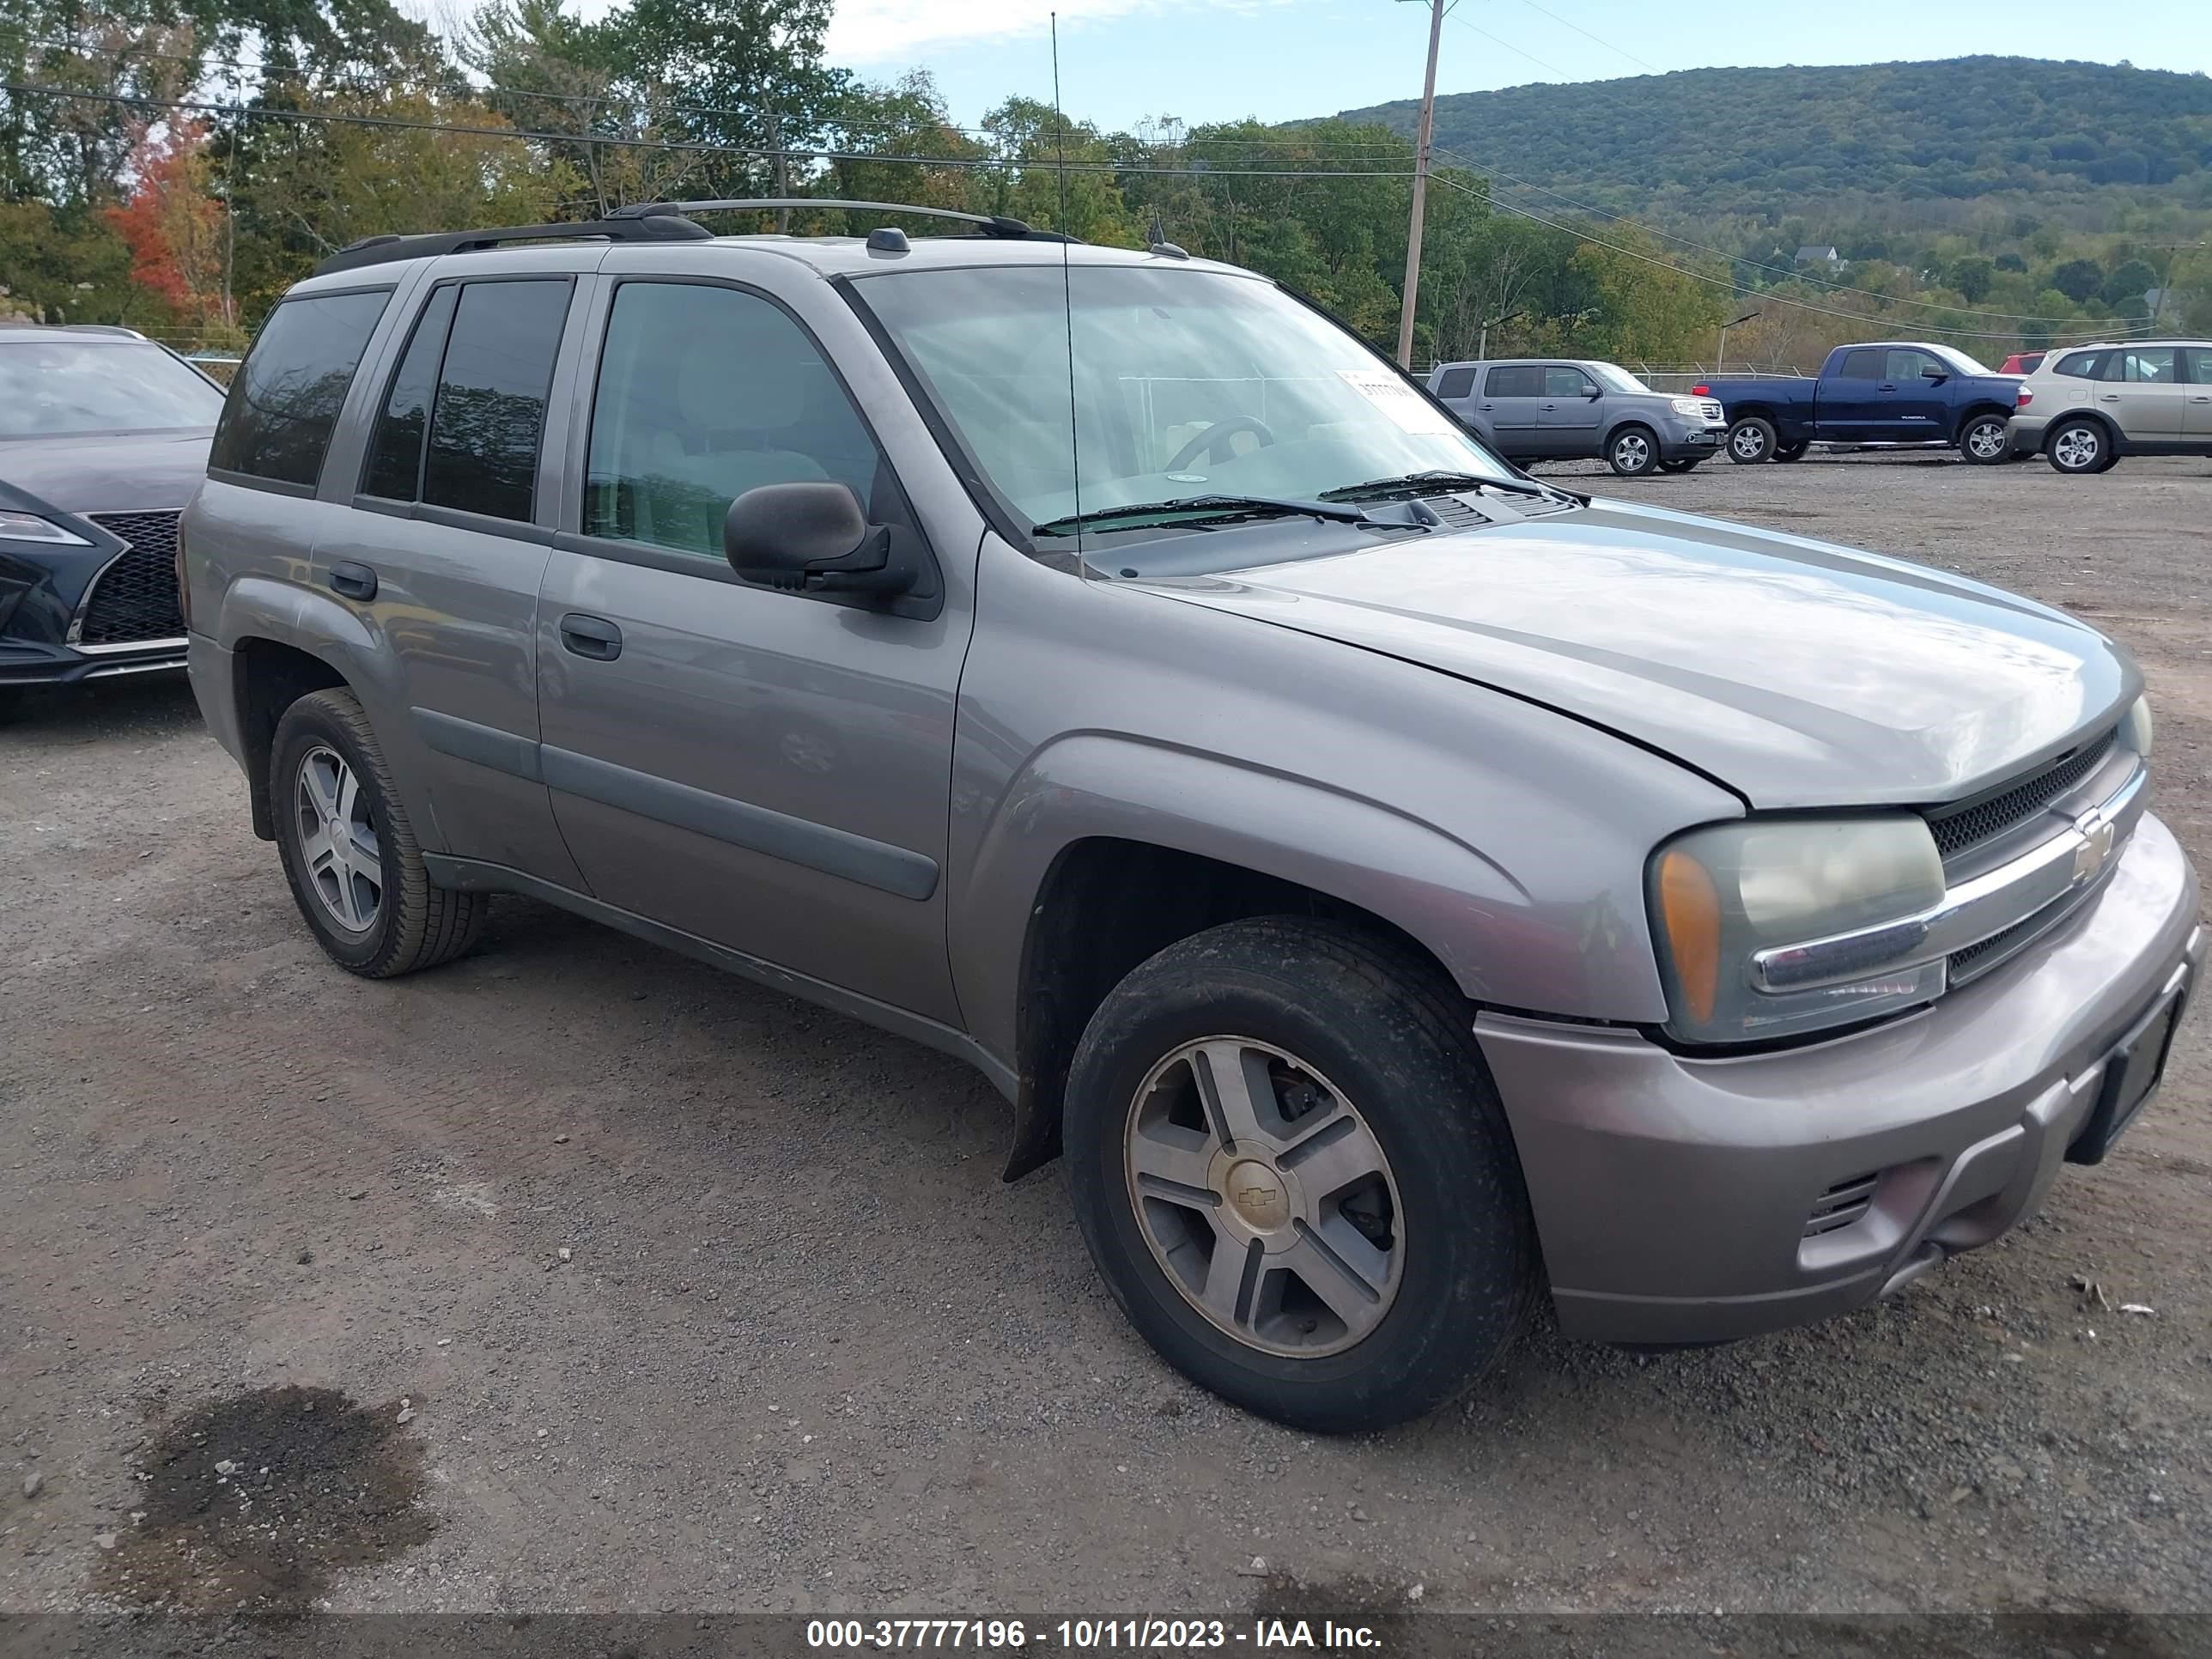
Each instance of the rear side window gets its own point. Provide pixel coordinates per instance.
(1860, 365)
(2145, 365)
(1526, 381)
(276, 420)
(489, 412)
(395, 451)
(1456, 383)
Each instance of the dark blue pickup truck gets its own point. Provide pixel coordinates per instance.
(1888, 392)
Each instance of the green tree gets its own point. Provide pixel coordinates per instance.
(1972, 275)
(2124, 288)
(2077, 279)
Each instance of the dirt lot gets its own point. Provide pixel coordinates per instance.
(699, 1298)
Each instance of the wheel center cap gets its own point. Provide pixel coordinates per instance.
(1256, 1193)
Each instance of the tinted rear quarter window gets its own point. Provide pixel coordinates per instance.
(491, 410)
(1456, 383)
(395, 452)
(1525, 380)
(276, 420)
(2080, 365)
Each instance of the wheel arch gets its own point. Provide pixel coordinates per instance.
(1640, 423)
(267, 676)
(2111, 429)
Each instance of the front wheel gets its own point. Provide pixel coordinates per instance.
(2078, 446)
(1294, 1174)
(1751, 440)
(1632, 452)
(1984, 440)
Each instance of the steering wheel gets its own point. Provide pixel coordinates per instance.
(1209, 441)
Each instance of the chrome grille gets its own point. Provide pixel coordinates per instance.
(1962, 827)
(1841, 1205)
(135, 598)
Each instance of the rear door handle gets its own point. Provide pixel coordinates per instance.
(1886, 386)
(356, 581)
(1549, 407)
(1483, 405)
(2108, 397)
(591, 637)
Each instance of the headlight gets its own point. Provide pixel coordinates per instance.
(2135, 728)
(1687, 406)
(30, 527)
(1722, 896)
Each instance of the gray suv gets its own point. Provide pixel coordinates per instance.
(1403, 890)
(1537, 409)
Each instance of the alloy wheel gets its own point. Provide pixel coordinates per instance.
(1264, 1197)
(1748, 443)
(1631, 452)
(2076, 449)
(1986, 441)
(338, 846)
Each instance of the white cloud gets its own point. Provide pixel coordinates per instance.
(872, 31)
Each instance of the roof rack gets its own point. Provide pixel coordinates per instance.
(987, 224)
(617, 228)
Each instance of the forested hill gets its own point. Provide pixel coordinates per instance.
(1895, 142)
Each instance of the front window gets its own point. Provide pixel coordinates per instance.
(54, 386)
(1958, 361)
(1186, 383)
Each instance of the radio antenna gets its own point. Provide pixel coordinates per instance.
(1067, 301)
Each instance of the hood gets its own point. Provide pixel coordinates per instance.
(1796, 672)
(108, 472)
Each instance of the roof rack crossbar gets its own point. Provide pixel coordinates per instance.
(383, 250)
(990, 224)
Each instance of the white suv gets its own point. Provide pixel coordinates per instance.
(2085, 408)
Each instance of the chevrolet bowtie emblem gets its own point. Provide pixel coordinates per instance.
(2096, 837)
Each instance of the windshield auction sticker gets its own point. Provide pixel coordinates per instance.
(1398, 400)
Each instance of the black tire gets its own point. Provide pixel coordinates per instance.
(1791, 452)
(2079, 447)
(1978, 449)
(1632, 452)
(1751, 441)
(416, 923)
(1391, 1033)
(1689, 465)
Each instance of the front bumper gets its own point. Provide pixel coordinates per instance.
(35, 663)
(1677, 1199)
(1691, 443)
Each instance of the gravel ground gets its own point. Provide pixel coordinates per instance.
(699, 1298)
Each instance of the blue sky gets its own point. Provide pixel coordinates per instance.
(1122, 61)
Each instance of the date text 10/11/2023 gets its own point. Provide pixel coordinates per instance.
(1083, 1635)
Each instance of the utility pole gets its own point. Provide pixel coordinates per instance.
(1720, 352)
(1420, 189)
(782, 172)
(2172, 250)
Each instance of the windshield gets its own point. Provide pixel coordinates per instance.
(1616, 378)
(1959, 360)
(51, 387)
(1187, 383)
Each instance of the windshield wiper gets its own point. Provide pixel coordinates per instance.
(1414, 483)
(1205, 507)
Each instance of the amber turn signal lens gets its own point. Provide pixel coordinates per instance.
(1692, 910)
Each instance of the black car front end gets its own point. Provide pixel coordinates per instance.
(86, 595)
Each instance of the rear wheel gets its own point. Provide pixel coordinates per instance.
(1689, 465)
(1632, 452)
(1791, 452)
(1984, 440)
(1751, 441)
(348, 851)
(1292, 1170)
(2078, 446)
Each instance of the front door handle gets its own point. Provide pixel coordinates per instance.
(1549, 407)
(356, 581)
(2202, 397)
(1886, 386)
(591, 637)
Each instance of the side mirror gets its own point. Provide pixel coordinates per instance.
(812, 536)
(1593, 392)
(1933, 376)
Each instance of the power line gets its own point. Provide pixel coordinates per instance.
(755, 152)
(1586, 35)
